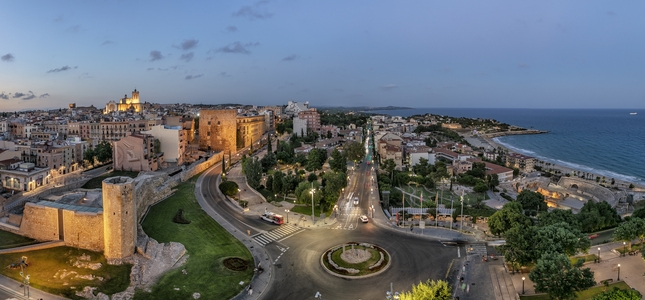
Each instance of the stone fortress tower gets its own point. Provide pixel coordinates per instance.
(119, 218)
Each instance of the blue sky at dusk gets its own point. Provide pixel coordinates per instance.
(535, 54)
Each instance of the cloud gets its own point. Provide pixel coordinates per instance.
(231, 28)
(18, 95)
(171, 68)
(61, 69)
(85, 76)
(611, 13)
(4, 96)
(291, 57)
(7, 57)
(29, 96)
(187, 57)
(224, 74)
(108, 42)
(155, 55)
(189, 77)
(59, 19)
(150, 69)
(523, 65)
(44, 95)
(389, 87)
(187, 44)
(238, 47)
(252, 12)
(74, 29)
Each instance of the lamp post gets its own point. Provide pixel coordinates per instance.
(286, 210)
(335, 210)
(624, 248)
(24, 275)
(312, 192)
(618, 272)
(598, 254)
(523, 278)
(461, 217)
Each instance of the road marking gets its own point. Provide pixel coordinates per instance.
(458, 251)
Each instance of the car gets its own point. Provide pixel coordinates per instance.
(363, 218)
(355, 200)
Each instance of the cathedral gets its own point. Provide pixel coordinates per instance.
(125, 104)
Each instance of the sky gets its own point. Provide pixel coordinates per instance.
(471, 54)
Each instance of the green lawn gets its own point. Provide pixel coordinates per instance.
(306, 210)
(11, 240)
(44, 265)
(96, 182)
(587, 294)
(207, 244)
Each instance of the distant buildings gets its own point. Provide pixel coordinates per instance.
(225, 130)
(137, 152)
(125, 104)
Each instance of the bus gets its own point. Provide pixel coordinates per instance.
(273, 218)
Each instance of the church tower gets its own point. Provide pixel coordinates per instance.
(135, 96)
(119, 219)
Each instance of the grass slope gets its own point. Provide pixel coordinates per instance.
(586, 294)
(12, 240)
(207, 244)
(96, 182)
(44, 264)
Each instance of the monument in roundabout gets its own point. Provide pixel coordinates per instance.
(355, 260)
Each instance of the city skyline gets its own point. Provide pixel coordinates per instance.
(468, 54)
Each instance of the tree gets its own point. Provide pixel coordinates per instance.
(337, 163)
(90, 156)
(519, 247)
(553, 274)
(557, 216)
(252, 168)
(269, 183)
(532, 200)
(316, 159)
(429, 290)
(510, 215)
(312, 177)
(560, 238)
(277, 182)
(618, 294)
(269, 161)
(422, 168)
(595, 216)
(103, 151)
(480, 187)
(639, 213)
(229, 188)
(630, 230)
(388, 165)
(354, 151)
(493, 180)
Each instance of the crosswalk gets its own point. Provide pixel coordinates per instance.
(283, 231)
(476, 250)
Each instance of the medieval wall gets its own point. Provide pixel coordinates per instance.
(217, 129)
(40, 222)
(150, 189)
(83, 230)
(119, 218)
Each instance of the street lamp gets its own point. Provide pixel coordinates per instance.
(312, 192)
(24, 275)
(618, 272)
(598, 254)
(624, 248)
(372, 210)
(335, 210)
(523, 278)
(287, 215)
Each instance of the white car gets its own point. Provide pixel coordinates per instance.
(355, 201)
(363, 218)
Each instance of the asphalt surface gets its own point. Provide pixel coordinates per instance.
(298, 273)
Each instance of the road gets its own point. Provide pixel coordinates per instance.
(298, 273)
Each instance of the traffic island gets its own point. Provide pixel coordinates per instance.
(355, 260)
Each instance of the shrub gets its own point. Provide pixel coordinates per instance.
(228, 188)
(179, 217)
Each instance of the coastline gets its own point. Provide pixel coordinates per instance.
(621, 184)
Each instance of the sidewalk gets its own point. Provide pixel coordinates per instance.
(15, 288)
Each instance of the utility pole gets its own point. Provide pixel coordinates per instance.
(461, 227)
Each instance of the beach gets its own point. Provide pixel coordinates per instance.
(489, 143)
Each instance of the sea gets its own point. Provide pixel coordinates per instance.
(607, 142)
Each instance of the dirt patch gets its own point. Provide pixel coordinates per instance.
(235, 264)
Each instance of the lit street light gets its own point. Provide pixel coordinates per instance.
(598, 254)
(523, 278)
(287, 215)
(624, 248)
(618, 272)
(312, 192)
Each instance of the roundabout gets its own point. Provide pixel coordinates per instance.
(355, 260)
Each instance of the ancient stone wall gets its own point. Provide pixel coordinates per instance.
(119, 218)
(150, 189)
(218, 130)
(40, 222)
(83, 230)
(189, 173)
